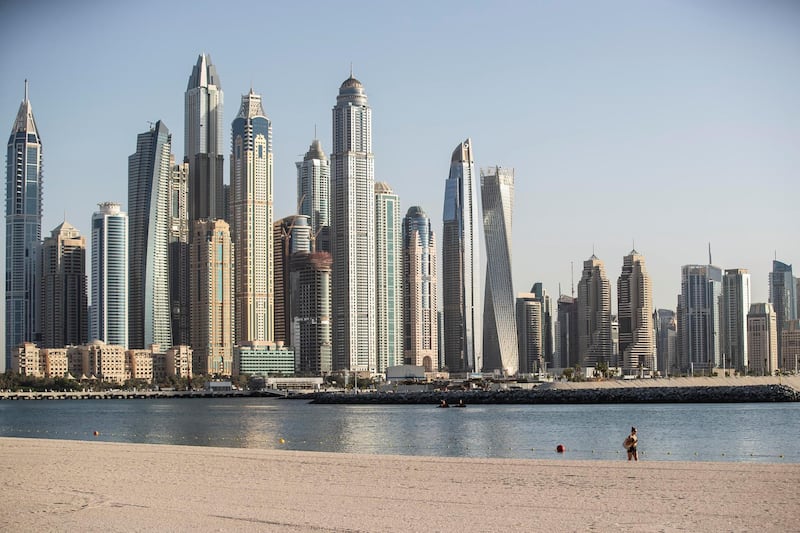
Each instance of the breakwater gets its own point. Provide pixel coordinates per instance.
(131, 395)
(543, 395)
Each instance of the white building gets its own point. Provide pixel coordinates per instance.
(109, 310)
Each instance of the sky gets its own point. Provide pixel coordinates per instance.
(661, 125)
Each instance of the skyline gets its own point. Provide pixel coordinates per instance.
(689, 96)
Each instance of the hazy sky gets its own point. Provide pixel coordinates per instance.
(665, 124)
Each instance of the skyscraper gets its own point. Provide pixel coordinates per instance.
(310, 279)
(290, 235)
(388, 278)
(735, 306)
(23, 229)
(635, 315)
(460, 271)
(594, 315)
(666, 331)
(179, 251)
(251, 183)
(698, 318)
(109, 312)
(148, 210)
(531, 333)
(313, 198)
(420, 315)
(782, 296)
(65, 312)
(203, 147)
(568, 354)
(548, 323)
(212, 313)
(499, 316)
(353, 231)
(762, 339)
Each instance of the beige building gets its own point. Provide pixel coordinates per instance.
(594, 315)
(54, 362)
(139, 364)
(25, 360)
(179, 361)
(637, 344)
(762, 339)
(212, 292)
(790, 346)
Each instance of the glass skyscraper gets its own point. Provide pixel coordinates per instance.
(500, 348)
(23, 229)
(388, 278)
(698, 318)
(460, 283)
(109, 311)
(783, 297)
(149, 314)
(353, 231)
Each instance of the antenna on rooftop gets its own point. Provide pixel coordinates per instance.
(709, 254)
(26, 89)
(572, 276)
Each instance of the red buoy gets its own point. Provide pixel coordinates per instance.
(560, 448)
(96, 433)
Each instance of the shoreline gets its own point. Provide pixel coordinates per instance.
(101, 486)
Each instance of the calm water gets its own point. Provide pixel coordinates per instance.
(688, 432)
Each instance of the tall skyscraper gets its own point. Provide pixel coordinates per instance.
(388, 274)
(179, 251)
(460, 270)
(782, 296)
(635, 315)
(252, 183)
(594, 315)
(698, 318)
(290, 235)
(353, 231)
(548, 323)
(762, 339)
(666, 331)
(148, 210)
(734, 309)
(23, 229)
(310, 280)
(568, 353)
(211, 287)
(313, 198)
(790, 346)
(109, 311)
(420, 314)
(203, 147)
(531, 333)
(65, 311)
(499, 317)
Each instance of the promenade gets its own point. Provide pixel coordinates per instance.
(53, 485)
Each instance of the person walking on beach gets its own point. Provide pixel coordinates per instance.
(630, 444)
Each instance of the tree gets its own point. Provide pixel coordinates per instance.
(567, 373)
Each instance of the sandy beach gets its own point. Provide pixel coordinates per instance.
(53, 485)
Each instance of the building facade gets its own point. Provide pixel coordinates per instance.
(65, 307)
(460, 270)
(790, 347)
(637, 345)
(179, 233)
(313, 196)
(783, 295)
(567, 345)
(666, 334)
(388, 278)
(548, 324)
(203, 141)
(499, 316)
(762, 339)
(420, 309)
(149, 315)
(23, 229)
(252, 184)
(530, 329)
(733, 318)
(310, 280)
(109, 311)
(698, 318)
(290, 235)
(594, 315)
(353, 231)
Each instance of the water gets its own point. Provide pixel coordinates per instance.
(686, 432)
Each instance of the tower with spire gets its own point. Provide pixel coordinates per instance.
(313, 198)
(23, 229)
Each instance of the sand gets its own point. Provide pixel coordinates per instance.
(52, 485)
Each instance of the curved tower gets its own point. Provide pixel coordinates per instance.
(460, 298)
(500, 348)
(353, 230)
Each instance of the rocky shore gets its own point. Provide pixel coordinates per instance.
(585, 395)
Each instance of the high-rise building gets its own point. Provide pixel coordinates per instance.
(790, 346)
(568, 353)
(733, 318)
(548, 324)
(499, 316)
(65, 311)
(313, 198)
(530, 329)
(109, 311)
(698, 318)
(310, 280)
(762, 339)
(23, 229)
(460, 270)
(211, 294)
(353, 231)
(252, 183)
(666, 332)
(388, 282)
(782, 295)
(635, 315)
(179, 251)
(149, 313)
(290, 235)
(420, 314)
(594, 315)
(203, 146)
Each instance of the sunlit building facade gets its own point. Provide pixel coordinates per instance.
(637, 346)
(109, 311)
(594, 315)
(420, 309)
(313, 197)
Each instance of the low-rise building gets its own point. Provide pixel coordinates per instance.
(263, 358)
